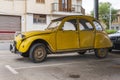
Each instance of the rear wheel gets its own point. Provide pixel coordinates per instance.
(101, 53)
(38, 53)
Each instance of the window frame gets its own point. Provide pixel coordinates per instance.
(40, 1)
(99, 24)
(86, 21)
(75, 24)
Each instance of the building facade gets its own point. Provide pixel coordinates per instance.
(116, 22)
(27, 15)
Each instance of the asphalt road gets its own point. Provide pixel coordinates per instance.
(59, 67)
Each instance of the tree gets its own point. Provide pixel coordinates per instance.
(104, 10)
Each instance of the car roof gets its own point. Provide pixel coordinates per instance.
(81, 16)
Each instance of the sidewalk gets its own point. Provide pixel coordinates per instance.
(5, 44)
(6, 41)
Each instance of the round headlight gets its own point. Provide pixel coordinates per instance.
(22, 36)
(16, 33)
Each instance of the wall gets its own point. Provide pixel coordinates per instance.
(30, 26)
(12, 7)
(33, 7)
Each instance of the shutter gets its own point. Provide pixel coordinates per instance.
(69, 4)
(60, 5)
(8, 26)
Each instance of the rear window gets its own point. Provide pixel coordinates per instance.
(97, 26)
(85, 25)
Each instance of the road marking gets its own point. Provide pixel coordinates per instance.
(48, 65)
(11, 69)
(8, 55)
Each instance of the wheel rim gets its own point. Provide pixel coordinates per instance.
(39, 53)
(102, 52)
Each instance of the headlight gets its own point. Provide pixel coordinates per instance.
(19, 34)
(22, 36)
(16, 33)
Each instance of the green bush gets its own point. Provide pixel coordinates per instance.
(111, 31)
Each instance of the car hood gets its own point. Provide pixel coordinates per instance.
(33, 33)
(114, 35)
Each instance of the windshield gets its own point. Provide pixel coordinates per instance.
(54, 24)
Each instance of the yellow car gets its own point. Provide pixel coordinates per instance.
(65, 34)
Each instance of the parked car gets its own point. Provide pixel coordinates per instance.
(65, 34)
(115, 38)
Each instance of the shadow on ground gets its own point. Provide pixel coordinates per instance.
(116, 52)
(62, 58)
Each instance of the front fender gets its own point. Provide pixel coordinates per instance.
(25, 44)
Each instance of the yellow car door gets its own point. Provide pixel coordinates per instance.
(86, 34)
(67, 36)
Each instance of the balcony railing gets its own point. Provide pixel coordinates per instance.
(74, 8)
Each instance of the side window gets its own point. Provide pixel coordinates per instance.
(97, 26)
(70, 25)
(85, 25)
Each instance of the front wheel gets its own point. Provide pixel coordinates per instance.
(38, 53)
(101, 53)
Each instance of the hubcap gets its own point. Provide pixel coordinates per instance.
(102, 52)
(39, 53)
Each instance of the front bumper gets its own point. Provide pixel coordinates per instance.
(13, 48)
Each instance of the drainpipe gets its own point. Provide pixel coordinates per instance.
(110, 18)
(96, 9)
(25, 15)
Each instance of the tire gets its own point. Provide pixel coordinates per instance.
(110, 50)
(82, 52)
(101, 53)
(38, 53)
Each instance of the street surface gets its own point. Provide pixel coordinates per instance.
(59, 67)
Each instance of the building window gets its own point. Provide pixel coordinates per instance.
(65, 5)
(40, 1)
(38, 18)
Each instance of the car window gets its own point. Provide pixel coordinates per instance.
(85, 25)
(70, 25)
(54, 24)
(97, 26)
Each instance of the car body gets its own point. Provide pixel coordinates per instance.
(115, 38)
(65, 34)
